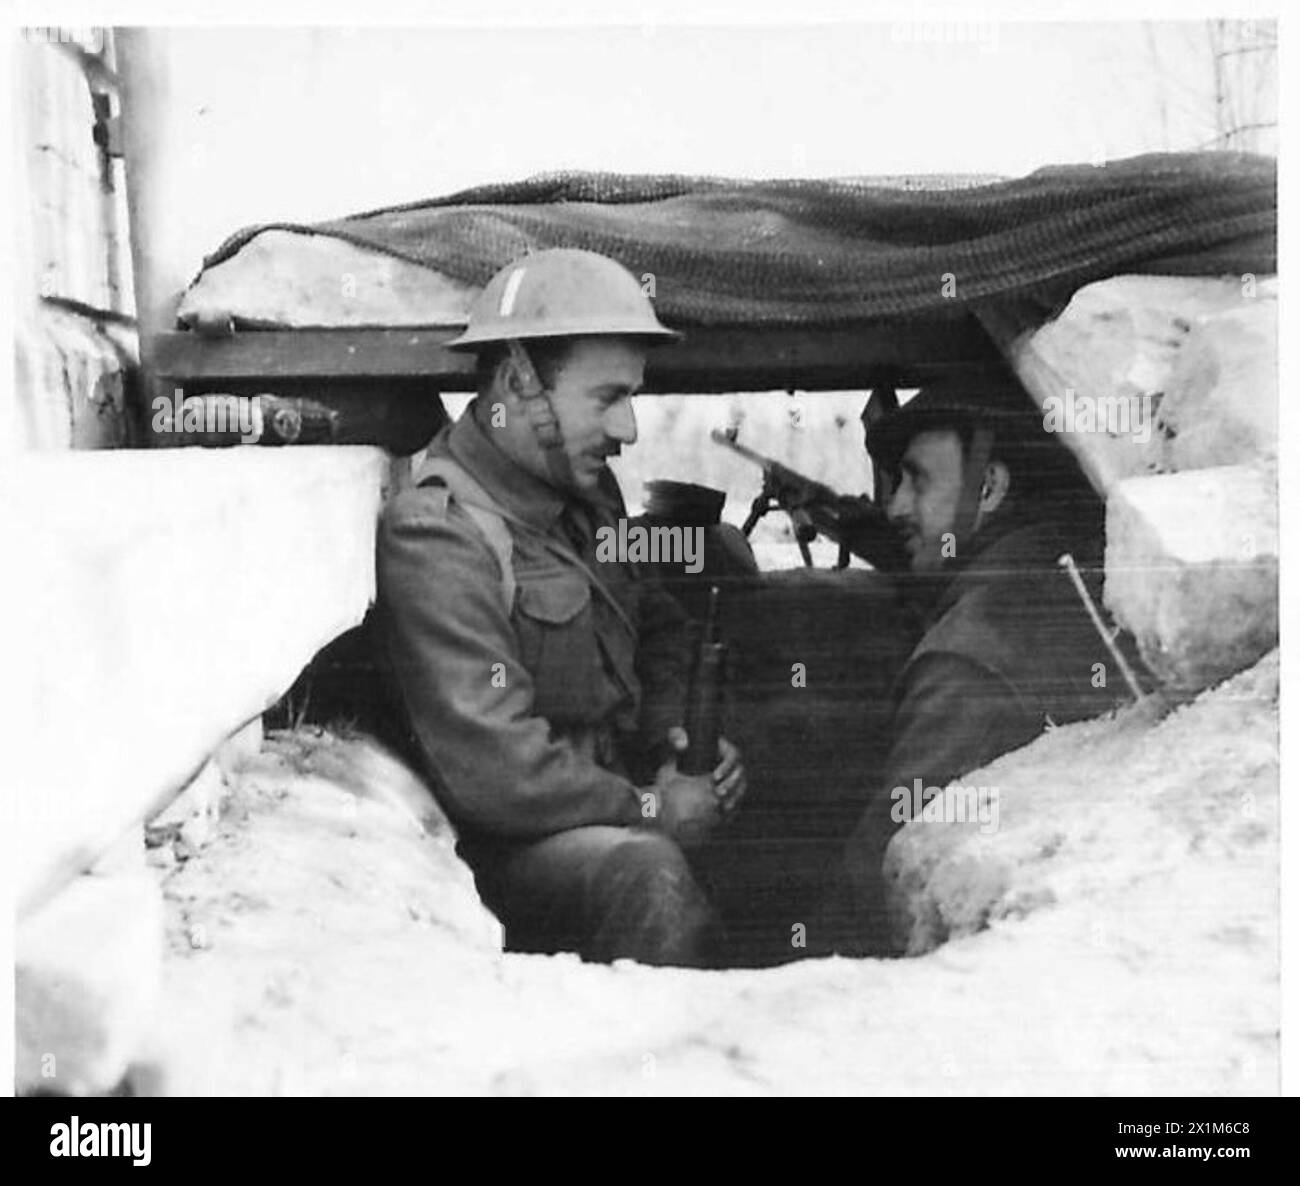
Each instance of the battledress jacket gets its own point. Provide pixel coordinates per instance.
(1007, 650)
(537, 717)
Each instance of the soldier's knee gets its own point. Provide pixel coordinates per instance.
(648, 874)
(645, 855)
(651, 906)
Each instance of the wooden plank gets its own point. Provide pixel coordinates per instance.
(708, 360)
(308, 353)
(756, 359)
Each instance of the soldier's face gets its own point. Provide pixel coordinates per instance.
(592, 397)
(925, 502)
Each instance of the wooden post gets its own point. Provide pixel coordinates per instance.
(145, 91)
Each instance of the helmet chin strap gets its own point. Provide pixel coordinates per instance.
(968, 505)
(542, 418)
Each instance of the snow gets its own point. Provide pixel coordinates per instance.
(1117, 934)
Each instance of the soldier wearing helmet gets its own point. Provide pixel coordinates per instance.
(986, 503)
(545, 690)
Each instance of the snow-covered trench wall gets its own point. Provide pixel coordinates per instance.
(163, 598)
(1166, 389)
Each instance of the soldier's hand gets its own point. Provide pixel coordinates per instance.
(729, 780)
(686, 808)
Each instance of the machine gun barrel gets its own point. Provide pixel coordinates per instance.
(856, 524)
(782, 476)
(721, 438)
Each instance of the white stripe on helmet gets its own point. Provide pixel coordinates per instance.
(510, 292)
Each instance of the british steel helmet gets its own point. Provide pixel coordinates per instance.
(558, 293)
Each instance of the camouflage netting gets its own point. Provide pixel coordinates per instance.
(835, 253)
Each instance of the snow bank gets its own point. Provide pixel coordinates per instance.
(1192, 570)
(325, 945)
(1191, 361)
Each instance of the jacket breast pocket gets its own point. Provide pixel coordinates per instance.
(558, 645)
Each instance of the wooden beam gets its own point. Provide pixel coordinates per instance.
(708, 360)
(755, 359)
(315, 353)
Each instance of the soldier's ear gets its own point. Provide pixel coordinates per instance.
(520, 378)
(509, 378)
(995, 487)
